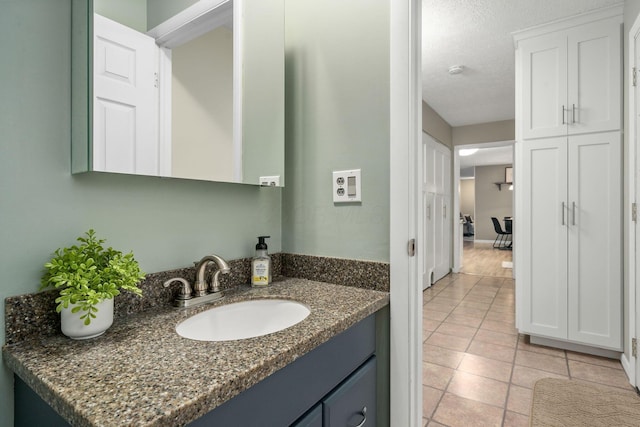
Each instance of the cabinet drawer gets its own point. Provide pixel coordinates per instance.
(353, 403)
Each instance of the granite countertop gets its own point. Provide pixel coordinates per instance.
(142, 373)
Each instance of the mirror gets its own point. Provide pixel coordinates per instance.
(183, 89)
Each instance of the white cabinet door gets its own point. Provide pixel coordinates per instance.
(594, 226)
(571, 80)
(594, 77)
(542, 277)
(544, 91)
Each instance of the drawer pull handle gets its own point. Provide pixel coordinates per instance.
(364, 417)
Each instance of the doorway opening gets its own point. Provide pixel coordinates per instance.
(483, 238)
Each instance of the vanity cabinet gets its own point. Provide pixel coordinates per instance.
(568, 197)
(352, 403)
(330, 384)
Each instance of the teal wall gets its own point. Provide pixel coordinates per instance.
(132, 13)
(167, 223)
(159, 11)
(337, 118)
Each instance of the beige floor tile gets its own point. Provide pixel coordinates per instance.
(457, 330)
(478, 388)
(459, 319)
(598, 374)
(430, 325)
(496, 338)
(492, 351)
(435, 424)
(595, 360)
(501, 317)
(431, 314)
(441, 356)
(451, 342)
(430, 399)
(557, 365)
(511, 419)
(475, 304)
(425, 422)
(485, 367)
(519, 399)
(505, 328)
(436, 376)
(443, 299)
(437, 306)
(523, 345)
(527, 377)
(457, 411)
(470, 312)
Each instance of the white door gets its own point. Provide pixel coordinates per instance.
(125, 136)
(428, 200)
(442, 219)
(594, 77)
(543, 242)
(595, 239)
(544, 97)
(436, 194)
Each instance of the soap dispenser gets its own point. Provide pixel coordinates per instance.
(261, 264)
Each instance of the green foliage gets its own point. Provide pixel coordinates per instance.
(88, 273)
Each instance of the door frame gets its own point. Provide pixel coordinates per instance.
(631, 364)
(404, 162)
(457, 246)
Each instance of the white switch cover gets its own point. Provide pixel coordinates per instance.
(270, 181)
(346, 186)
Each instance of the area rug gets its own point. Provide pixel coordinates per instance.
(571, 403)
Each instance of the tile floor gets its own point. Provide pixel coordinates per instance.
(477, 370)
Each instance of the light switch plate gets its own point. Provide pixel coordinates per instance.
(347, 186)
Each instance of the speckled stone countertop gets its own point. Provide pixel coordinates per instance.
(142, 373)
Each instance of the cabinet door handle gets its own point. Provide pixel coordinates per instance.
(573, 214)
(563, 214)
(573, 114)
(364, 417)
(444, 211)
(563, 122)
(429, 212)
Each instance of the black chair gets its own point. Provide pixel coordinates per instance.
(501, 235)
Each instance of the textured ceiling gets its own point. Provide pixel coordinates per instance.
(477, 34)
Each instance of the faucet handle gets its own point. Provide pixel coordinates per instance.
(185, 289)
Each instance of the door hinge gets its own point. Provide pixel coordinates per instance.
(634, 347)
(635, 78)
(155, 79)
(411, 247)
(634, 212)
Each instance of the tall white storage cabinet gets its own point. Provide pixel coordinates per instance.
(568, 172)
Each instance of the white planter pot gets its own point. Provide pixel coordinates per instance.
(74, 327)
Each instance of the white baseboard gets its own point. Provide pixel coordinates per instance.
(580, 348)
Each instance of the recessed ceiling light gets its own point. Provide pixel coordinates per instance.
(456, 69)
(467, 151)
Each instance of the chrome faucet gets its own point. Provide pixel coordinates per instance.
(200, 287)
(200, 292)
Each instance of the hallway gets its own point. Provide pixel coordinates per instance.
(477, 371)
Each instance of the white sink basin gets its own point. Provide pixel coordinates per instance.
(242, 320)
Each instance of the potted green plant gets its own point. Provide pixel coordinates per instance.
(89, 276)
